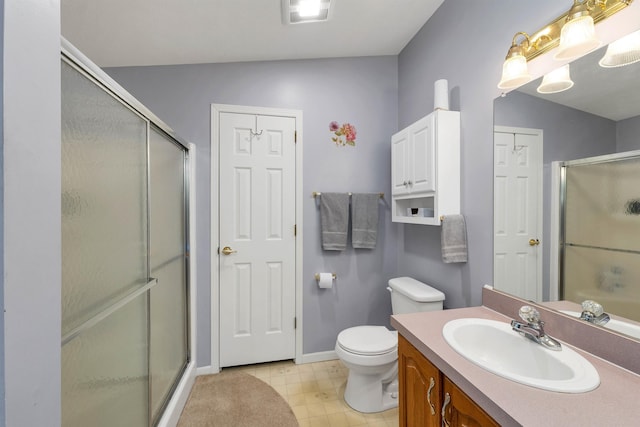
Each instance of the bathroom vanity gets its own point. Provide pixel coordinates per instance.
(429, 398)
(466, 394)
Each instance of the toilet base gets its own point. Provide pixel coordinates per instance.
(368, 393)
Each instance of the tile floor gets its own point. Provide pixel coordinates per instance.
(315, 393)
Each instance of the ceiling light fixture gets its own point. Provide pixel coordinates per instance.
(300, 11)
(622, 52)
(514, 70)
(309, 8)
(556, 81)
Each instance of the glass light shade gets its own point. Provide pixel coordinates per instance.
(514, 72)
(577, 37)
(622, 52)
(556, 81)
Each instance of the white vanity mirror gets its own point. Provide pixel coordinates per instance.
(599, 115)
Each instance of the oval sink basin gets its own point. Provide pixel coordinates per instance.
(630, 329)
(494, 346)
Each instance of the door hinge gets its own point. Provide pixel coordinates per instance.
(295, 136)
(295, 323)
(218, 250)
(295, 229)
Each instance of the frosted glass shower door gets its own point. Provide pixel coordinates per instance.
(601, 249)
(104, 258)
(168, 299)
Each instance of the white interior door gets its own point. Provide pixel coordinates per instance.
(257, 220)
(517, 267)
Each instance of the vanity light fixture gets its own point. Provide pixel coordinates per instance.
(622, 52)
(514, 70)
(578, 34)
(577, 39)
(548, 37)
(300, 11)
(556, 81)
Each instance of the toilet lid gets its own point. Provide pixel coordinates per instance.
(368, 340)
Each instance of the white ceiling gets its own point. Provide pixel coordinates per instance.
(157, 32)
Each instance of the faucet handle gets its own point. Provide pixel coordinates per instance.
(592, 307)
(529, 314)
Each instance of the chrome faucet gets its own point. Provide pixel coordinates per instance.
(533, 328)
(592, 312)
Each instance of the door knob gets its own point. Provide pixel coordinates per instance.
(534, 242)
(228, 251)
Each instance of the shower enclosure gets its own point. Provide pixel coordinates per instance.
(600, 230)
(125, 299)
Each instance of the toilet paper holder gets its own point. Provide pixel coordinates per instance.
(333, 276)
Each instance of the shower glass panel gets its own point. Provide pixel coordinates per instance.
(601, 251)
(168, 343)
(104, 184)
(104, 257)
(104, 371)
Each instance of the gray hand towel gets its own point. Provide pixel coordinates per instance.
(334, 216)
(454, 239)
(364, 220)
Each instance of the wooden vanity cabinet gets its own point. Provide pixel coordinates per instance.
(427, 396)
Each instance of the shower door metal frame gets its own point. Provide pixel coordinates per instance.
(78, 61)
(561, 212)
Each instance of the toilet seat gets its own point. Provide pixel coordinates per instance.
(368, 340)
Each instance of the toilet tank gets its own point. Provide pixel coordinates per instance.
(411, 296)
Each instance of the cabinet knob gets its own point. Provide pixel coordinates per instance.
(404, 183)
(408, 182)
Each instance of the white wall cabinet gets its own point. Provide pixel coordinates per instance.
(425, 169)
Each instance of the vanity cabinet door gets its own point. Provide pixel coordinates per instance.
(459, 410)
(420, 388)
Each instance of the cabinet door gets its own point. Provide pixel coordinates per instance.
(399, 162)
(422, 156)
(419, 388)
(459, 410)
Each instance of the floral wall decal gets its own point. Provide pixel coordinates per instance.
(345, 134)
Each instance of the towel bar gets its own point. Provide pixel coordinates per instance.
(318, 194)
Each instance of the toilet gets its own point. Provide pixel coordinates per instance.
(371, 352)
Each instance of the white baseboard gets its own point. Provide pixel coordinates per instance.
(179, 399)
(319, 357)
(206, 370)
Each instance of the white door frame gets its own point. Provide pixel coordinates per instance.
(216, 110)
(539, 198)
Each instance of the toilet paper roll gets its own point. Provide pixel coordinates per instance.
(441, 95)
(326, 280)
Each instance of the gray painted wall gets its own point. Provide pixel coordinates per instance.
(31, 214)
(568, 134)
(464, 42)
(629, 134)
(362, 91)
(2, 388)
